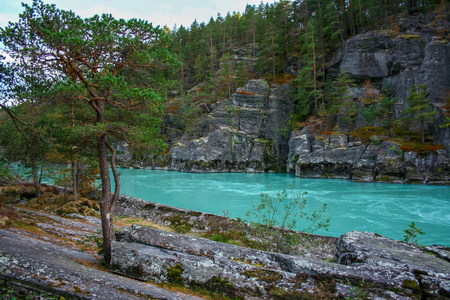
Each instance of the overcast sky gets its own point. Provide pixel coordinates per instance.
(158, 12)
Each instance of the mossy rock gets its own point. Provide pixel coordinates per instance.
(83, 206)
(267, 276)
(179, 223)
(412, 285)
(4, 221)
(221, 286)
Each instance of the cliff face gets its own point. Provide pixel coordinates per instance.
(337, 156)
(416, 54)
(242, 134)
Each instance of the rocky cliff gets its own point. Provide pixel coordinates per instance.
(379, 159)
(241, 134)
(395, 60)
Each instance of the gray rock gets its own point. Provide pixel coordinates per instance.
(256, 86)
(422, 273)
(332, 156)
(33, 267)
(334, 163)
(240, 135)
(366, 263)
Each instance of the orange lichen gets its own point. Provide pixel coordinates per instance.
(421, 148)
(245, 93)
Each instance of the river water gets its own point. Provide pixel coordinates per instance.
(386, 209)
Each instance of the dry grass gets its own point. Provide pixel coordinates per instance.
(121, 222)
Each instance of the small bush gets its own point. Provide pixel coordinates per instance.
(179, 224)
(276, 216)
(411, 234)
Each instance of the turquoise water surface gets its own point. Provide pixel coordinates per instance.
(383, 208)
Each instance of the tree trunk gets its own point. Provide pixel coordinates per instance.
(351, 19)
(380, 8)
(422, 127)
(74, 180)
(316, 108)
(116, 177)
(105, 200)
(273, 57)
(37, 184)
(344, 19)
(407, 6)
(78, 176)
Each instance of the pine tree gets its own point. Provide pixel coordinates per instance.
(343, 104)
(420, 108)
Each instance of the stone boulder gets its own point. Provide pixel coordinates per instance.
(425, 273)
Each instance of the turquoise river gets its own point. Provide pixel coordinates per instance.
(386, 209)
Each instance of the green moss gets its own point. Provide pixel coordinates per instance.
(149, 206)
(221, 286)
(327, 176)
(179, 224)
(267, 276)
(365, 133)
(279, 293)
(385, 178)
(174, 274)
(412, 285)
(409, 37)
(263, 141)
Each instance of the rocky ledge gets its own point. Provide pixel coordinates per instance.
(44, 261)
(379, 159)
(366, 265)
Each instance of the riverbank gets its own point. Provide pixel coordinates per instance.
(51, 256)
(45, 253)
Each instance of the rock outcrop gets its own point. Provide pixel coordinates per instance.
(47, 263)
(366, 264)
(242, 134)
(396, 61)
(336, 156)
(318, 247)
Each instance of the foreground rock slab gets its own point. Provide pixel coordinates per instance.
(29, 265)
(366, 265)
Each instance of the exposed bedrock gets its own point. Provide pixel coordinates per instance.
(365, 264)
(242, 134)
(335, 156)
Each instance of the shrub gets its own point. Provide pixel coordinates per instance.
(276, 216)
(411, 234)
